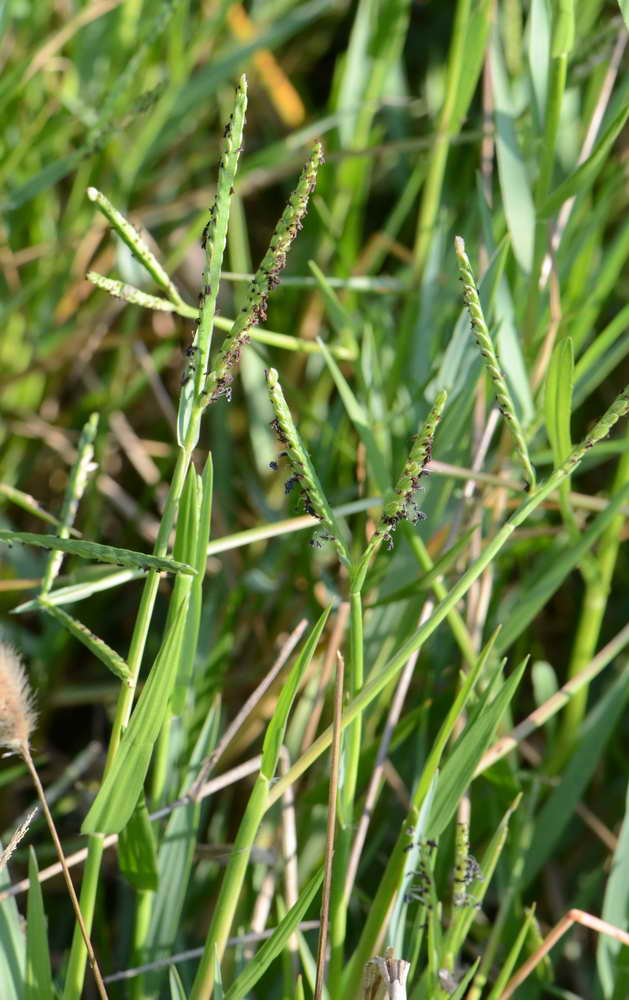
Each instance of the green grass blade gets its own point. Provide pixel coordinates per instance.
(77, 482)
(514, 184)
(446, 729)
(273, 947)
(277, 726)
(198, 558)
(563, 561)
(358, 416)
(581, 180)
(175, 863)
(177, 991)
(459, 768)
(116, 800)
(558, 399)
(75, 592)
(38, 981)
(137, 850)
(508, 964)
(12, 943)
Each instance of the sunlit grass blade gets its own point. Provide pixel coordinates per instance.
(74, 592)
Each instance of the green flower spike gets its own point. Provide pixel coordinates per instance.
(266, 278)
(303, 473)
(490, 358)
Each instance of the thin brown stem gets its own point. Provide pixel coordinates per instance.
(566, 922)
(28, 760)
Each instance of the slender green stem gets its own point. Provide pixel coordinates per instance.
(74, 982)
(347, 794)
(229, 894)
(75, 973)
(143, 912)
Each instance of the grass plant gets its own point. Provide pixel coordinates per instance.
(325, 766)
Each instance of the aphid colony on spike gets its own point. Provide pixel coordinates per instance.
(296, 479)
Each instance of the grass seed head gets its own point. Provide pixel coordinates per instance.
(17, 712)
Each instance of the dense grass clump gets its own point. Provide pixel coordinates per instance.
(314, 464)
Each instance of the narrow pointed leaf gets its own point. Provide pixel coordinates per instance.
(273, 947)
(38, 985)
(275, 730)
(116, 800)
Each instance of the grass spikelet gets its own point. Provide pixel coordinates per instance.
(490, 357)
(17, 721)
(265, 280)
(402, 505)
(18, 834)
(17, 712)
(303, 473)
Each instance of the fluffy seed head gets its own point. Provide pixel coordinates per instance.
(17, 713)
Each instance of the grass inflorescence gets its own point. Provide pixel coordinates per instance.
(353, 728)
